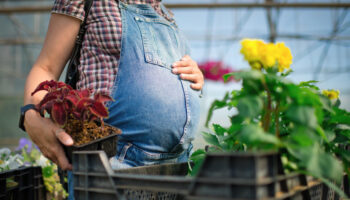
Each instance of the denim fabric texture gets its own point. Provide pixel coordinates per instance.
(157, 112)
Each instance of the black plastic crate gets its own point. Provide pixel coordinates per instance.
(95, 179)
(234, 176)
(28, 185)
(39, 187)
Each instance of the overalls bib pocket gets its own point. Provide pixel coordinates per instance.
(160, 41)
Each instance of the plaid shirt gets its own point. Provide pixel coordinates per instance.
(102, 42)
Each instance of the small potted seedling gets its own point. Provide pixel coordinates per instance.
(80, 113)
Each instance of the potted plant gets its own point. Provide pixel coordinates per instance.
(80, 114)
(303, 125)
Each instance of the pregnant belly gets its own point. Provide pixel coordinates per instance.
(149, 108)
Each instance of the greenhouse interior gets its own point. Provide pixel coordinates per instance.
(269, 117)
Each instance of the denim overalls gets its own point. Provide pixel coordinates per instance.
(157, 112)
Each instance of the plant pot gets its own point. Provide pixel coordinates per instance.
(107, 144)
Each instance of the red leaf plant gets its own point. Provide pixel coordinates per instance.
(62, 102)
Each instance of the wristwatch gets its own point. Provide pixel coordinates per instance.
(24, 109)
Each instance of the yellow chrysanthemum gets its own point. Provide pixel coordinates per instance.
(268, 55)
(284, 57)
(331, 94)
(251, 49)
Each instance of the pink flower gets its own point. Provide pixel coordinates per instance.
(214, 70)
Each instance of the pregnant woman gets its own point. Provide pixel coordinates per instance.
(133, 51)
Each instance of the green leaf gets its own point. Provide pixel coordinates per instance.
(330, 135)
(344, 154)
(302, 137)
(322, 133)
(219, 130)
(197, 166)
(197, 157)
(318, 162)
(227, 76)
(304, 115)
(48, 171)
(246, 74)
(255, 137)
(342, 137)
(286, 73)
(217, 104)
(26, 157)
(252, 81)
(303, 96)
(250, 106)
(237, 119)
(211, 139)
(309, 84)
(340, 118)
(326, 103)
(198, 154)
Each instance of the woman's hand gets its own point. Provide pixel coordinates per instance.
(47, 136)
(189, 70)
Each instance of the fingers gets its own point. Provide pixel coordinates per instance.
(183, 63)
(196, 86)
(189, 70)
(183, 70)
(60, 156)
(62, 160)
(56, 154)
(63, 137)
(189, 77)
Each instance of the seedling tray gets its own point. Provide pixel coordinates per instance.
(107, 144)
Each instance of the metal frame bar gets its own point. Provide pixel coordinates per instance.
(29, 9)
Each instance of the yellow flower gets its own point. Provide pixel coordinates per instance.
(284, 57)
(268, 55)
(251, 49)
(331, 94)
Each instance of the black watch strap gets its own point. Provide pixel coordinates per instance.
(24, 109)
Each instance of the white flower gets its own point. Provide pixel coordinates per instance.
(5, 153)
(42, 161)
(14, 162)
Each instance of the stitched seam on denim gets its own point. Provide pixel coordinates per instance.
(151, 54)
(124, 151)
(188, 112)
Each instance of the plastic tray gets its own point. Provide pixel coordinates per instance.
(107, 144)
